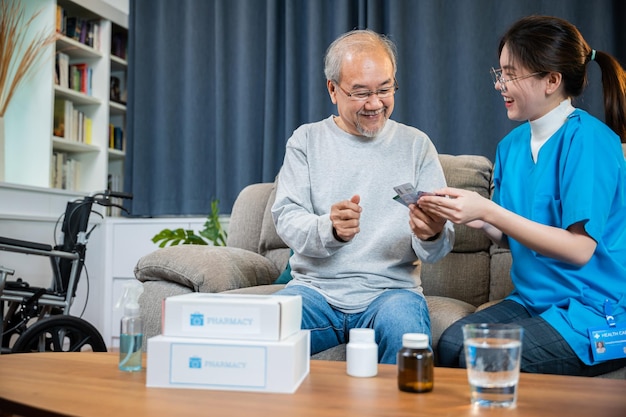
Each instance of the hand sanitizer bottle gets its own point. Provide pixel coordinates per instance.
(131, 328)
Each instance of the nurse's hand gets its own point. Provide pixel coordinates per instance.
(457, 205)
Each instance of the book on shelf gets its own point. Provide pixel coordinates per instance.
(65, 171)
(115, 89)
(58, 118)
(70, 123)
(83, 32)
(61, 20)
(80, 29)
(76, 116)
(116, 137)
(79, 126)
(119, 44)
(62, 71)
(73, 26)
(55, 165)
(81, 78)
(63, 118)
(77, 77)
(115, 183)
(93, 35)
(69, 119)
(88, 134)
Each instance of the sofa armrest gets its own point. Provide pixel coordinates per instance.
(151, 302)
(206, 268)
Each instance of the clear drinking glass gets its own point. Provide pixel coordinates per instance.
(493, 354)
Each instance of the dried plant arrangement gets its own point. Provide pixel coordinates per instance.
(19, 59)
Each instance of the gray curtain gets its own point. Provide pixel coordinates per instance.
(216, 87)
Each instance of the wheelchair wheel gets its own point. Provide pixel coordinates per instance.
(60, 334)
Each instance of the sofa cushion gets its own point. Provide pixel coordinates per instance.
(470, 172)
(257, 290)
(474, 173)
(285, 276)
(443, 312)
(500, 284)
(270, 244)
(206, 268)
(337, 353)
(464, 276)
(246, 218)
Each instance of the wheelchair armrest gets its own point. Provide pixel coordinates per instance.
(34, 248)
(24, 244)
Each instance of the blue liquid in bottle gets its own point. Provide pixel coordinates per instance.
(131, 328)
(130, 352)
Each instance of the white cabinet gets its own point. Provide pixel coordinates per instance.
(127, 241)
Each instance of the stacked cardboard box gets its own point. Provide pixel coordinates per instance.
(230, 342)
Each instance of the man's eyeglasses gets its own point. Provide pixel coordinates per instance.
(362, 95)
(496, 75)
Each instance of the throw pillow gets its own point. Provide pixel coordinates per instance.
(206, 268)
(285, 277)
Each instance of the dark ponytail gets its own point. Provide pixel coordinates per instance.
(614, 89)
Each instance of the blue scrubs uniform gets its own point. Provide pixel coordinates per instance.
(579, 176)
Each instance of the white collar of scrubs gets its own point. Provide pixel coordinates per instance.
(545, 126)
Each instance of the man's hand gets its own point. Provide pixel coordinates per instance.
(425, 225)
(345, 217)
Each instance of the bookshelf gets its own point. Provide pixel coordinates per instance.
(29, 205)
(57, 128)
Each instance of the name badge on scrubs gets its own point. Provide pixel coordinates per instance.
(608, 342)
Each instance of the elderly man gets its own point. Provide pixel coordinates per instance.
(354, 247)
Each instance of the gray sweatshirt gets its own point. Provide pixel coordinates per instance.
(324, 165)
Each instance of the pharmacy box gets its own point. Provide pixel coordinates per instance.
(232, 316)
(226, 364)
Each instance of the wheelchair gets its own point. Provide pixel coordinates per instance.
(34, 319)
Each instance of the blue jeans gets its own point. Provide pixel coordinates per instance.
(392, 314)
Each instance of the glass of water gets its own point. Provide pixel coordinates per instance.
(493, 354)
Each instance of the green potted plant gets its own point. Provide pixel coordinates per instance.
(213, 233)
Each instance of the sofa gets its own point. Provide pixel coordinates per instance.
(473, 275)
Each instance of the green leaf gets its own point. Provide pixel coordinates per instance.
(212, 232)
(177, 237)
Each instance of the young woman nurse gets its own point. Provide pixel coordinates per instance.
(559, 205)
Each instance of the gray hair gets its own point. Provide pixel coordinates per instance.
(353, 41)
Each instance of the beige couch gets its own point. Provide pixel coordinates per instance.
(473, 274)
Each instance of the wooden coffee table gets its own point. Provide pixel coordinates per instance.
(89, 384)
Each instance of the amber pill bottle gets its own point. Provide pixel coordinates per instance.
(415, 364)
